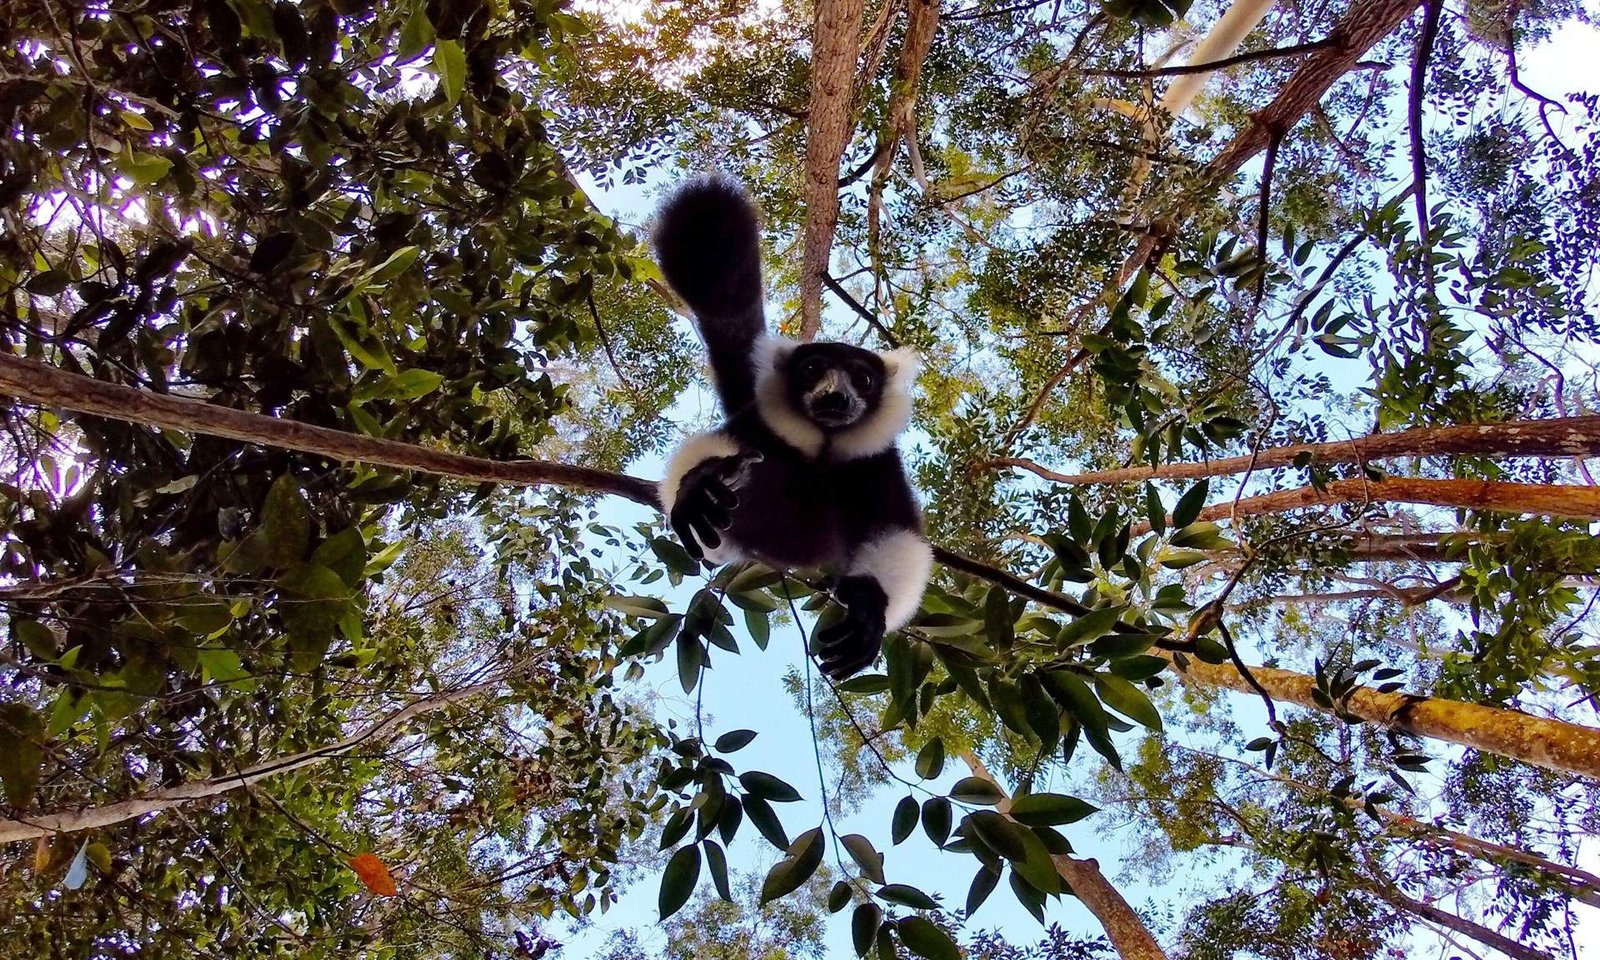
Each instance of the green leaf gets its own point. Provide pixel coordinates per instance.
(768, 787)
(220, 665)
(788, 874)
(999, 833)
(49, 283)
(415, 35)
(1091, 625)
(864, 926)
(925, 939)
(734, 740)
(647, 607)
(983, 884)
(1138, 668)
(21, 753)
(1189, 505)
(399, 262)
(759, 626)
(690, 658)
(674, 556)
(1128, 700)
(839, 896)
(676, 827)
(450, 63)
(1046, 809)
(1153, 510)
(766, 821)
(998, 624)
(865, 855)
(936, 817)
(905, 820)
(678, 880)
(907, 896)
(285, 530)
(718, 862)
(143, 168)
(345, 553)
(930, 760)
(976, 790)
(865, 683)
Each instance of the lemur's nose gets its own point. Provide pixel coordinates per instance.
(833, 400)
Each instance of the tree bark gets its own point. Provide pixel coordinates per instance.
(1579, 884)
(1560, 437)
(835, 48)
(40, 383)
(1541, 499)
(1128, 935)
(1492, 939)
(1552, 744)
(73, 821)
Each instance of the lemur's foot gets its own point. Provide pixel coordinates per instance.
(851, 644)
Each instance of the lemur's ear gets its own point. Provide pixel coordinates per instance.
(902, 364)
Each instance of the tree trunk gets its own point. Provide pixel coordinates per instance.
(835, 48)
(72, 821)
(1127, 933)
(1561, 437)
(1551, 744)
(1541, 499)
(40, 383)
(1579, 884)
(1427, 911)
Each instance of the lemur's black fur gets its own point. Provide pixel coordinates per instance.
(804, 472)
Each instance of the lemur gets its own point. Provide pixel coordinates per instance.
(804, 470)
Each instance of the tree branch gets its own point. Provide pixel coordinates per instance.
(71, 821)
(1558, 437)
(1541, 499)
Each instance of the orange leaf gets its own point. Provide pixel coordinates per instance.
(374, 874)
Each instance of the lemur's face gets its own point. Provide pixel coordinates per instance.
(835, 385)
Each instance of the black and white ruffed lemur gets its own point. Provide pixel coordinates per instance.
(804, 471)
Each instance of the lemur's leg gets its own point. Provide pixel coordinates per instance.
(699, 490)
(881, 590)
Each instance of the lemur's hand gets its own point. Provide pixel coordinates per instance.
(706, 500)
(849, 645)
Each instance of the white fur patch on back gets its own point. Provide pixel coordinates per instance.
(901, 561)
(694, 451)
(871, 436)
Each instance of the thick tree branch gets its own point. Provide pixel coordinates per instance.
(71, 821)
(1551, 744)
(1492, 939)
(835, 48)
(1559, 437)
(48, 386)
(1539, 499)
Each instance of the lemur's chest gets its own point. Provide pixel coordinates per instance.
(790, 514)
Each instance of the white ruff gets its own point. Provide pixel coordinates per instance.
(901, 561)
(871, 436)
(695, 451)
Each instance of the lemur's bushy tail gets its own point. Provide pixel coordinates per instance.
(708, 243)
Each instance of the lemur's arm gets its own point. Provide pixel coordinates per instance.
(888, 568)
(708, 243)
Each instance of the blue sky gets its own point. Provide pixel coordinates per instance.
(748, 690)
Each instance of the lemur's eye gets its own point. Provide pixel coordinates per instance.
(813, 368)
(864, 380)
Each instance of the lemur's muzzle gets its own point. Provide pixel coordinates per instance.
(833, 402)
